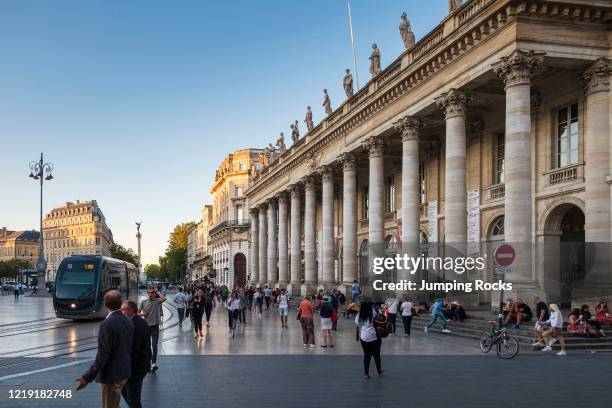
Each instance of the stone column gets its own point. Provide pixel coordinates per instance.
(310, 235)
(597, 168)
(411, 196)
(296, 249)
(349, 220)
(454, 104)
(254, 246)
(263, 246)
(516, 71)
(376, 191)
(327, 230)
(283, 275)
(597, 151)
(272, 252)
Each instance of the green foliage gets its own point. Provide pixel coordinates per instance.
(125, 254)
(152, 272)
(173, 263)
(9, 269)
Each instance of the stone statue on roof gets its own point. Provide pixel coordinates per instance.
(308, 120)
(347, 83)
(375, 60)
(326, 103)
(406, 32)
(280, 143)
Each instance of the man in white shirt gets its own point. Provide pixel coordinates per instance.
(392, 306)
(283, 307)
(181, 302)
(267, 294)
(406, 311)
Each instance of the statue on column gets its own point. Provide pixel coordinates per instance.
(347, 83)
(375, 60)
(454, 5)
(280, 143)
(308, 120)
(406, 32)
(326, 103)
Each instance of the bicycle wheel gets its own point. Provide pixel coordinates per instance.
(508, 347)
(486, 342)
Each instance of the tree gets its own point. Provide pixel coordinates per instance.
(9, 269)
(174, 262)
(125, 254)
(152, 272)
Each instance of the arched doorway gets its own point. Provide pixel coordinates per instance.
(240, 277)
(564, 263)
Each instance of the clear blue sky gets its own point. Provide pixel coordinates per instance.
(137, 102)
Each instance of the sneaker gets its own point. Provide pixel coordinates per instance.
(562, 353)
(547, 348)
(537, 343)
(154, 367)
(305, 345)
(425, 330)
(552, 341)
(405, 335)
(207, 324)
(446, 331)
(196, 336)
(313, 345)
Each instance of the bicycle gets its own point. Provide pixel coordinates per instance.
(507, 345)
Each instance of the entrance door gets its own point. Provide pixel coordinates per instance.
(240, 269)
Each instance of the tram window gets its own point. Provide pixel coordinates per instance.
(117, 278)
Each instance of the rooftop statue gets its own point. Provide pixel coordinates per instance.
(280, 143)
(454, 5)
(326, 103)
(375, 61)
(347, 83)
(406, 32)
(308, 120)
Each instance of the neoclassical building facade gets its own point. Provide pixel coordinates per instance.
(494, 127)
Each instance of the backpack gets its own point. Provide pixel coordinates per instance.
(380, 326)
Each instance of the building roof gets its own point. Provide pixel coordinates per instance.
(22, 236)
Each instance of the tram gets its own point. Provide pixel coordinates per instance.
(83, 280)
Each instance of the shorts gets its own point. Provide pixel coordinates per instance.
(283, 311)
(326, 323)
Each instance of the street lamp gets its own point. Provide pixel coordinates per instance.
(37, 172)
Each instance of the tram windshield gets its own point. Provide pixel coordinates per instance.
(76, 280)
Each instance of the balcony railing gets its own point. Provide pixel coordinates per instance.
(565, 174)
(229, 224)
(495, 192)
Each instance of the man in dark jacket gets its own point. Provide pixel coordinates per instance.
(141, 355)
(113, 364)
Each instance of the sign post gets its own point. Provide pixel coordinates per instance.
(504, 256)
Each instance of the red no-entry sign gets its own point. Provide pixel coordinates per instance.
(504, 255)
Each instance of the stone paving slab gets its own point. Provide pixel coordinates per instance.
(307, 381)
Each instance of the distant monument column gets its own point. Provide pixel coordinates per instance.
(139, 237)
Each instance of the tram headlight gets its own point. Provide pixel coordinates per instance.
(73, 305)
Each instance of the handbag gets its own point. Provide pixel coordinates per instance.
(299, 315)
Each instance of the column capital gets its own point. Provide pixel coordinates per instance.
(253, 211)
(409, 127)
(453, 103)
(295, 190)
(597, 77)
(519, 67)
(262, 207)
(310, 182)
(271, 202)
(281, 196)
(375, 145)
(348, 161)
(327, 173)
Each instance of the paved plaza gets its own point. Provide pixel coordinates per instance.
(265, 365)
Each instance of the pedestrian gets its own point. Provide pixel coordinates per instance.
(113, 364)
(242, 297)
(334, 303)
(355, 292)
(392, 307)
(151, 309)
(437, 311)
(283, 307)
(16, 291)
(141, 355)
(305, 316)
(197, 310)
(261, 301)
(267, 295)
(542, 314)
(325, 312)
(556, 328)
(209, 303)
(406, 311)
(256, 303)
(180, 301)
(233, 308)
(370, 342)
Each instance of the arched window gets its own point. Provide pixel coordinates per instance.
(496, 232)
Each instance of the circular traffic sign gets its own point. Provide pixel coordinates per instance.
(41, 265)
(504, 255)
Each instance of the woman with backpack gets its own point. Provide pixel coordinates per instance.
(370, 340)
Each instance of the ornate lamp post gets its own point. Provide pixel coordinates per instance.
(37, 172)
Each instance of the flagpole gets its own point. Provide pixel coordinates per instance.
(353, 43)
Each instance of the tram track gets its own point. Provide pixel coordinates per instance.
(59, 349)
